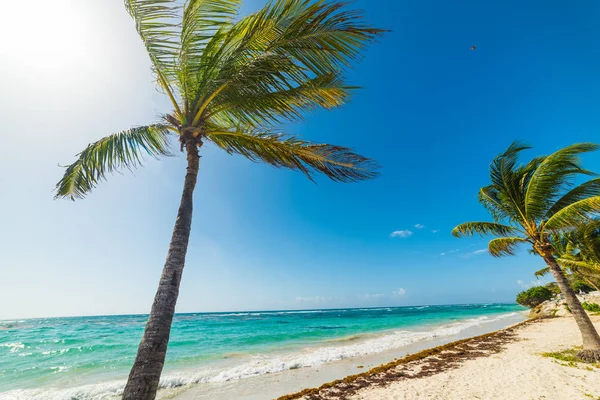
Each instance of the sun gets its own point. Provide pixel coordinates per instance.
(42, 34)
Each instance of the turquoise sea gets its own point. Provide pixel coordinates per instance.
(89, 357)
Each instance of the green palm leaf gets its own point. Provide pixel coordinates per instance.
(505, 246)
(583, 191)
(542, 272)
(156, 23)
(589, 241)
(280, 47)
(201, 21)
(337, 163)
(120, 150)
(324, 91)
(572, 215)
(483, 229)
(552, 176)
(489, 197)
(582, 267)
(506, 181)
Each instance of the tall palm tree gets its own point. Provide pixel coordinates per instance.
(230, 83)
(529, 204)
(578, 252)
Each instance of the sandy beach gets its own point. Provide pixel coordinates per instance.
(505, 365)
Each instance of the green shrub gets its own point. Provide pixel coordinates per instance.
(553, 287)
(580, 286)
(534, 296)
(593, 307)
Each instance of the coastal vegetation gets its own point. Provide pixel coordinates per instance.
(592, 307)
(569, 357)
(552, 287)
(230, 82)
(540, 204)
(578, 252)
(534, 296)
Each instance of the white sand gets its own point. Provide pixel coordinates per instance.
(519, 372)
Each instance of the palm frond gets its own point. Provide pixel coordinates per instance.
(574, 214)
(156, 23)
(542, 272)
(280, 47)
(505, 246)
(582, 267)
(324, 91)
(578, 193)
(589, 241)
(483, 229)
(201, 21)
(337, 163)
(322, 36)
(506, 179)
(490, 198)
(552, 176)
(120, 150)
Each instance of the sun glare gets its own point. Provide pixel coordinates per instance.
(41, 34)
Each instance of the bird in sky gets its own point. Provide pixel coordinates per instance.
(473, 48)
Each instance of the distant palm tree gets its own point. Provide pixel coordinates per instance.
(578, 252)
(230, 83)
(529, 204)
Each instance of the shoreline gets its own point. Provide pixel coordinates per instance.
(272, 374)
(275, 385)
(508, 363)
(444, 357)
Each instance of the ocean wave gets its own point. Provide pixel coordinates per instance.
(250, 366)
(14, 347)
(327, 327)
(255, 314)
(268, 364)
(100, 391)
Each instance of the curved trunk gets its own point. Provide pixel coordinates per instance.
(145, 373)
(591, 339)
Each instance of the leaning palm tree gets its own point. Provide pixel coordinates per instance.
(578, 252)
(231, 82)
(529, 204)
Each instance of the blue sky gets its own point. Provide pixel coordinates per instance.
(432, 113)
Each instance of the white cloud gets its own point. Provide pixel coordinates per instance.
(528, 285)
(475, 253)
(449, 252)
(435, 230)
(401, 234)
(313, 299)
(419, 226)
(372, 296)
(399, 293)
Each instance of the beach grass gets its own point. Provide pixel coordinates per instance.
(569, 357)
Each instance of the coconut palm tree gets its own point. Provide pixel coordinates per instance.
(529, 204)
(578, 252)
(231, 81)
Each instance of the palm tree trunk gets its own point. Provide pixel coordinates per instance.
(591, 339)
(145, 373)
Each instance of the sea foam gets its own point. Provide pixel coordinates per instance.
(250, 366)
